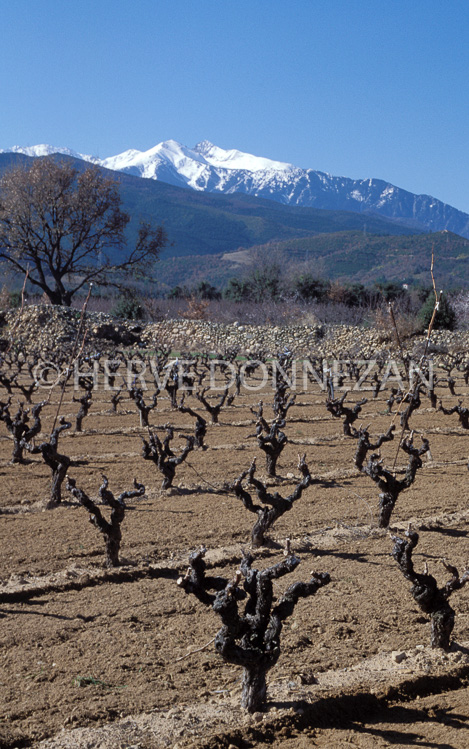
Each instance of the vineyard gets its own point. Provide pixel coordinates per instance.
(176, 520)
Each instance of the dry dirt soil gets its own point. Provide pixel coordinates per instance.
(124, 658)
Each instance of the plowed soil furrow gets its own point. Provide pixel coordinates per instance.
(123, 657)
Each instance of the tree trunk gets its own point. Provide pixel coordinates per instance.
(442, 624)
(266, 517)
(17, 451)
(347, 431)
(386, 506)
(55, 296)
(113, 542)
(254, 688)
(58, 477)
(169, 472)
(257, 534)
(271, 464)
(172, 389)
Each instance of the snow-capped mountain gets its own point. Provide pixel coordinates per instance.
(204, 167)
(207, 167)
(45, 150)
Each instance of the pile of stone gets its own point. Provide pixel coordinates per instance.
(54, 329)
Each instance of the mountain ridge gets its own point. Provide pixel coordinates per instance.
(203, 228)
(203, 223)
(208, 168)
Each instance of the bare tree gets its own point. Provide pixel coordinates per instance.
(19, 426)
(250, 639)
(58, 463)
(350, 415)
(274, 505)
(64, 224)
(111, 529)
(386, 480)
(162, 455)
(425, 591)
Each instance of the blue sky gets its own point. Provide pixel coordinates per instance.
(360, 88)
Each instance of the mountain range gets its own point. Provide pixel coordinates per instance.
(200, 223)
(210, 169)
(209, 230)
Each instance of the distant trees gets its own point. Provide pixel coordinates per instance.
(445, 316)
(63, 224)
(237, 290)
(460, 305)
(128, 306)
(310, 288)
(260, 287)
(203, 290)
(264, 280)
(261, 284)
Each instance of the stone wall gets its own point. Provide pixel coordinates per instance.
(49, 328)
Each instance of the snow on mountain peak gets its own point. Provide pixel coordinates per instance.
(191, 164)
(169, 161)
(207, 167)
(205, 146)
(45, 150)
(234, 159)
(177, 153)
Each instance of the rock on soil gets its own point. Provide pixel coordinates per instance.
(48, 328)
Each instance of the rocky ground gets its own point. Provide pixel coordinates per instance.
(54, 328)
(124, 658)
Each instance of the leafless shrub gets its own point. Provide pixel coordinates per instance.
(460, 410)
(7, 378)
(250, 639)
(84, 401)
(162, 455)
(386, 480)
(116, 398)
(111, 529)
(431, 599)
(144, 409)
(19, 427)
(364, 445)
(200, 429)
(214, 408)
(460, 304)
(58, 463)
(350, 415)
(270, 438)
(196, 309)
(274, 505)
(413, 400)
